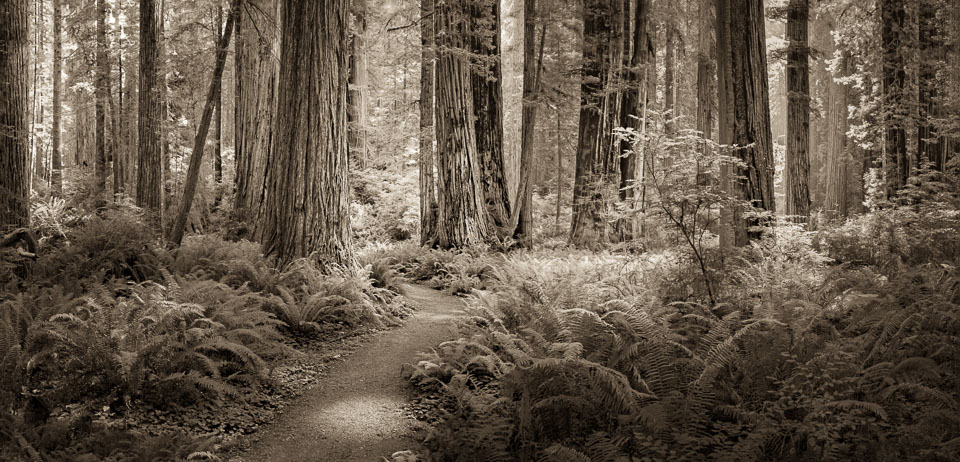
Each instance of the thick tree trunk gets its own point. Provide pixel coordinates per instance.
(835, 197)
(428, 206)
(56, 174)
(357, 97)
(797, 168)
(532, 71)
(588, 228)
(931, 145)
(488, 106)
(461, 217)
(102, 85)
(179, 224)
(751, 109)
(725, 118)
(149, 135)
(257, 70)
(896, 162)
(14, 136)
(705, 75)
(633, 88)
(308, 203)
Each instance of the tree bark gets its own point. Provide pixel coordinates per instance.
(462, 213)
(308, 203)
(149, 136)
(751, 110)
(257, 70)
(357, 97)
(896, 162)
(797, 168)
(428, 206)
(532, 71)
(931, 144)
(56, 174)
(587, 228)
(486, 81)
(14, 136)
(218, 111)
(835, 198)
(669, 79)
(102, 84)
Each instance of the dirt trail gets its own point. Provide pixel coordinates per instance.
(355, 412)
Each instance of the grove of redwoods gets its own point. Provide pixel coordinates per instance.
(765, 149)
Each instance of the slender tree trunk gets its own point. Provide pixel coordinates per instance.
(931, 144)
(462, 212)
(149, 136)
(488, 106)
(218, 111)
(797, 168)
(587, 227)
(428, 206)
(357, 97)
(257, 71)
(103, 83)
(706, 73)
(56, 174)
(559, 169)
(751, 109)
(532, 71)
(896, 162)
(725, 118)
(669, 79)
(14, 136)
(308, 204)
(179, 224)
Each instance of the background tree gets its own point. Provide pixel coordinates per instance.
(425, 159)
(56, 174)
(102, 86)
(308, 195)
(797, 164)
(896, 160)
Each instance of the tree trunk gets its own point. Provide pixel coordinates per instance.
(14, 137)
(751, 110)
(587, 228)
(835, 199)
(218, 111)
(308, 204)
(797, 168)
(149, 136)
(725, 114)
(669, 79)
(532, 71)
(705, 75)
(357, 97)
(461, 217)
(56, 174)
(179, 224)
(102, 84)
(428, 212)
(931, 144)
(896, 162)
(488, 106)
(257, 70)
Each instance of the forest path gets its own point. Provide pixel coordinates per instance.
(355, 413)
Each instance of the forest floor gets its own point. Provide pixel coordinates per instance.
(356, 412)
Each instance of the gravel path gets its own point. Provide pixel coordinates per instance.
(355, 412)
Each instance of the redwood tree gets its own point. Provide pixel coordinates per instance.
(797, 168)
(308, 203)
(56, 174)
(149, 168)
(102, 86)
(896, 163)
(14, 148)
(427, 127)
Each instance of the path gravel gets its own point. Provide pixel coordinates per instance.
(355, 413)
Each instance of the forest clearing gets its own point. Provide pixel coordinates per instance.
(479, 230)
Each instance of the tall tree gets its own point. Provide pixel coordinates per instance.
(635, 80)
(483, 30)
(179, 224)
(149, 133)
(931, 144)
(14, 135)
(588, 228)
(461, 208)
(102, 86)
(896, 161)
(357, 97)
(308, 204)
(218, 111)
(797, 168)
(751, 135)
(56, 175)
(257, 46)
(532, 70)
(835, 197)
(705, 72)
(427, 127)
